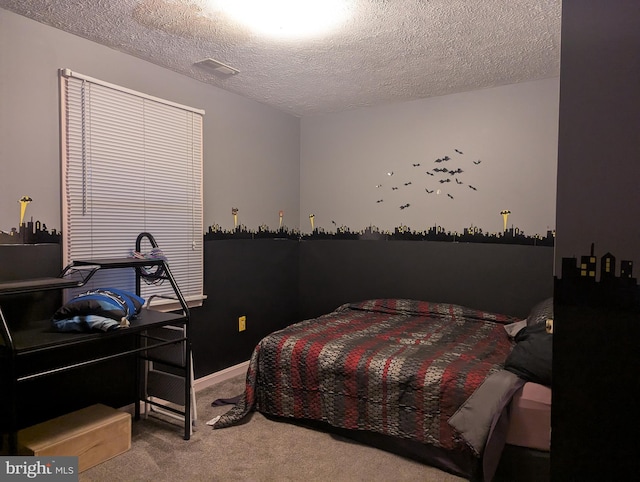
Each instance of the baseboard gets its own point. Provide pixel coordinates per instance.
(220, 376)
(207, 381)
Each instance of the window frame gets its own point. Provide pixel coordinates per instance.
(170, 134)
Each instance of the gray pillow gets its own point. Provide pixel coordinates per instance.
(512, 329)
(541, 312)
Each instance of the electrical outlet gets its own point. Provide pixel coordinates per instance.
(242, 323)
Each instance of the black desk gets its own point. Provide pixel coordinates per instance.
(23, 342)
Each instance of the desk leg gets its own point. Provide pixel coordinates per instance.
(187, 390)
(11, 382)
(138, 378)
(13, 407)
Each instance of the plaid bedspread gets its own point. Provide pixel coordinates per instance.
(393, 366)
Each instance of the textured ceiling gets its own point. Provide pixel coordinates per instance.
(388, 51)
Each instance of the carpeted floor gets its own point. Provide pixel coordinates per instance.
(258, 450)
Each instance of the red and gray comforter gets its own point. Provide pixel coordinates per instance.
(392, 366)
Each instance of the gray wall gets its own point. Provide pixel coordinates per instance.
(251, 151)
(599, 140)
(261, 161)
(512, 130)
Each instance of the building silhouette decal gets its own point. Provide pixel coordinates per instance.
(30, 233)
(580, 284)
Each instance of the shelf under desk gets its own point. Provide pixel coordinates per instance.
(40, 336)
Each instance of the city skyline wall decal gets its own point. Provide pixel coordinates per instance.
(584, 283)
(472, 234)
(29, 232)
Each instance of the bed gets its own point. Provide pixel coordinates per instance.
(426, 380)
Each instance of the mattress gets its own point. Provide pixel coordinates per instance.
(530, 417)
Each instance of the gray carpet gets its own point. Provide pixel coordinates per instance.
(259, 450)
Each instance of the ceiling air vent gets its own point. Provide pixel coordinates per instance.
(217, 66)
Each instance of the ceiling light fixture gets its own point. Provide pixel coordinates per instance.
(286, 18)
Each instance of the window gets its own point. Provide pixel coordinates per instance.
(131, 163)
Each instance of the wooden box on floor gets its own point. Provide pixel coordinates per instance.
(93, 434)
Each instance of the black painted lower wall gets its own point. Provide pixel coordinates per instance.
(253, 278)
(507, 279)
(596, 393)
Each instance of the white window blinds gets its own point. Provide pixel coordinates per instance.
(132, 163)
